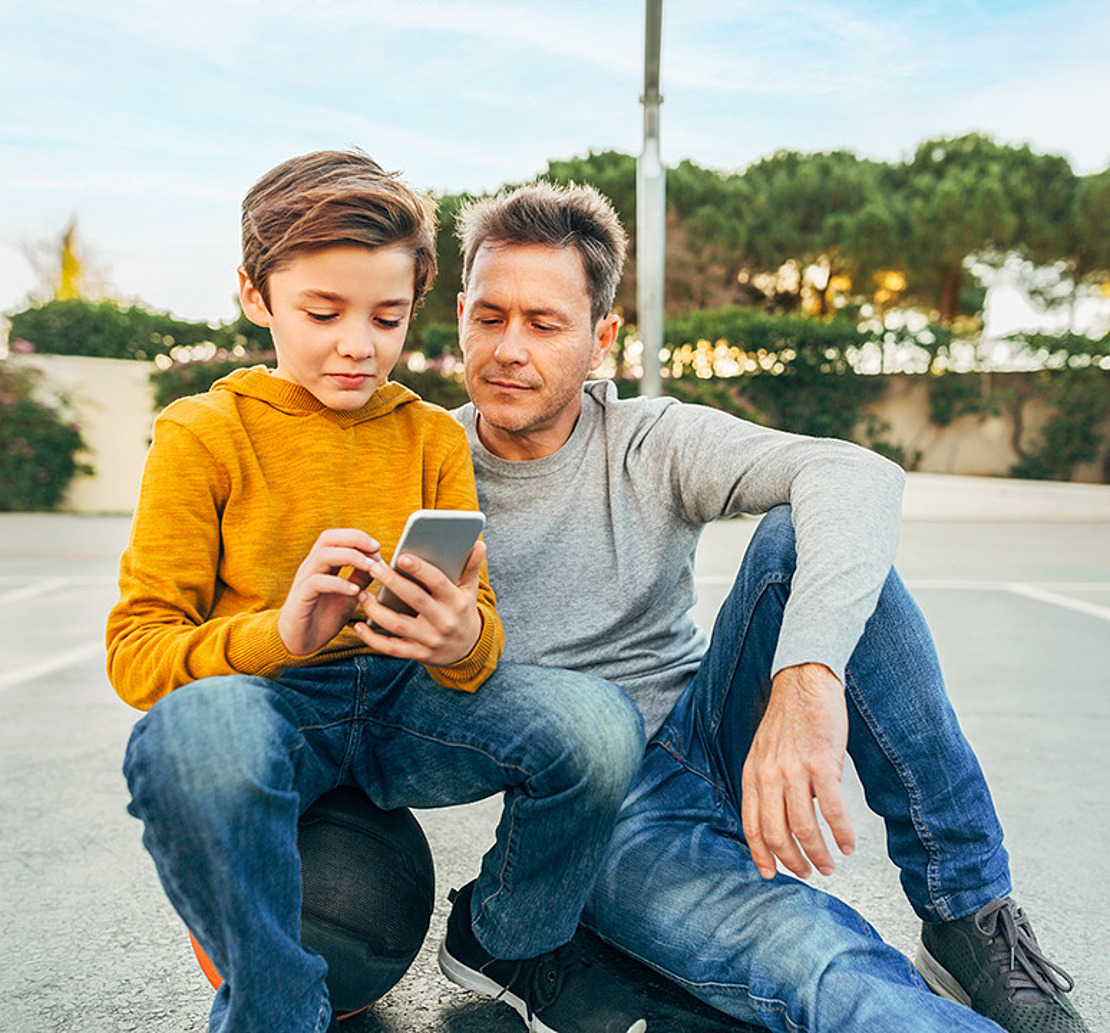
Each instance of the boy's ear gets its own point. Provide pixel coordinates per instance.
(250, 297)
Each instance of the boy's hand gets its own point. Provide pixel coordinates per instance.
(447, 624)
(320, 602)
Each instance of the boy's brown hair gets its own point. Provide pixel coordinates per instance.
(333, 198)
(556, 216)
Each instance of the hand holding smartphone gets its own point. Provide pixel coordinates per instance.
(442, 537)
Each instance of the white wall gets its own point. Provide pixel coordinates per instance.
(112, 402)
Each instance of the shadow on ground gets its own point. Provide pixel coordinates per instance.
(667, 1008)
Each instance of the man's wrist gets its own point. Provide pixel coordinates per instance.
(809, 678)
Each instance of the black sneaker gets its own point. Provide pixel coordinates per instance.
(991, 962)
(558, 992)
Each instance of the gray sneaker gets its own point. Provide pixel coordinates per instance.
(991, 962)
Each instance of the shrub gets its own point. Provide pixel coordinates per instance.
(78, 326)
(38, 447)
(791, 372)
(1078, 400)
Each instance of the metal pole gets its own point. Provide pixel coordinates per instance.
(651, 209)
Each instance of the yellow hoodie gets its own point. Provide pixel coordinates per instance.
(237, 487)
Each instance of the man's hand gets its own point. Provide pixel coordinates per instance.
(447, 624)
(796, 757)
(320, 602)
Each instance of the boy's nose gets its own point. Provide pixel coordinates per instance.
(357, 342)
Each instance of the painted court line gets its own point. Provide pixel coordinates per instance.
(70, 658)
(73, 579)
(1079, 605)
(1043, 592)
(36, 588)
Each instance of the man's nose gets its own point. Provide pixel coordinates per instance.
(512, 346)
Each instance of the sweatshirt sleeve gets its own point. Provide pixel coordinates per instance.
(845, 505)
(456, 490)
(159, 635)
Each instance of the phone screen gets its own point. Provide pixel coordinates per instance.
(442, 537)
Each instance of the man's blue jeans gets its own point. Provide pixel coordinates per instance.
(678, 889)
(221, 769)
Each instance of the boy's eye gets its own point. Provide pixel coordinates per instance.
(322, 317)
(388, 324)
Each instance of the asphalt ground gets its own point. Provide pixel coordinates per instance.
(1014, 579)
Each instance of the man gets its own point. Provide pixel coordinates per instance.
(595, 507)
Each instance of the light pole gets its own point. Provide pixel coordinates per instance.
(651, 209)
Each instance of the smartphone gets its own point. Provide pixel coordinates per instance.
(442, 537)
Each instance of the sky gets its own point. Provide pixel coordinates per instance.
(148, 120)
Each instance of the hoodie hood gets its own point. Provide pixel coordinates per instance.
(259, 383)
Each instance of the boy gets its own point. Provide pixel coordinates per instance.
(264, 686)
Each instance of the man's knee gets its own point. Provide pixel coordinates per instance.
(772, 545)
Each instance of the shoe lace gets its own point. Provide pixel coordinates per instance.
(1016, 950)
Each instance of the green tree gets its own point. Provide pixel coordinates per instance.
(1089, 229)
(439, 305)
(970, 196)
(707, 238)
(821, 210)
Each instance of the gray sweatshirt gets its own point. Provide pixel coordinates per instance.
(591, 549)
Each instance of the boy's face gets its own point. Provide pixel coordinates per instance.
(338, 318)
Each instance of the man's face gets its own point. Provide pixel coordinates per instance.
(338, 318)
(529, 343)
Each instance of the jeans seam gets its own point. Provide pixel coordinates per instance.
(768, 579)
(932, 865)
(503, 871)
(364, 717)
(451, 742)
(687, 766)
(323, 1019)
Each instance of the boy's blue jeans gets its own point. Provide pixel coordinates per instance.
(678, 888)
(221, 769)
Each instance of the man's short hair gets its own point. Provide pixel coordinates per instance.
(557, 216)
(329, 199)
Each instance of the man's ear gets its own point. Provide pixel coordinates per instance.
(605, 336)
(250, 297)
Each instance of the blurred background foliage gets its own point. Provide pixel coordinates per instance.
(790, 284)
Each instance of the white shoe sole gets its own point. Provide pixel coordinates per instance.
(938, 978)
(469, 979)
